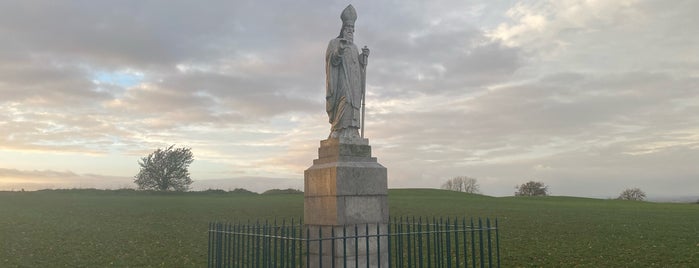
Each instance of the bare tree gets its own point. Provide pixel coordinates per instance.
(532, 188)
(448, 185)
(165, 170)
(462, 184)
(634, 194)
(471, 185)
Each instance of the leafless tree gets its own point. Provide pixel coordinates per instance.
(462, 184)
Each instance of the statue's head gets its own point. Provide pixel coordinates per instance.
(348, 17)
(347, 32)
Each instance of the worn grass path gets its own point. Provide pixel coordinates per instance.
(89, 228)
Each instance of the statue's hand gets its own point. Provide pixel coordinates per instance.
(343, 46)
(365, 51)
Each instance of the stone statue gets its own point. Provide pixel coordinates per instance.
(345, 72)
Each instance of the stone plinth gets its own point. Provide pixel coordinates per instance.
(346, 186)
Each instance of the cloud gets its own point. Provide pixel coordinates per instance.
(602, 35)
(140, 33)
(573, 114)
(46, 84)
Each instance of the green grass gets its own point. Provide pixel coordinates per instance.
(90, 228)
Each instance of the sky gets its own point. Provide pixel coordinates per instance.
(589, 97)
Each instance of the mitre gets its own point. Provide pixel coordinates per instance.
(348, 16)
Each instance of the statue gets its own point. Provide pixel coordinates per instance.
(345, 84)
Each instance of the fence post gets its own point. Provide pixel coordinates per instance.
(308, 246)
(463, 227)
(480, 239)
(448, 234)
(283, 245)
(429, 242)
(344, 246)
(389, 242)
(274, 261)
(239, 241)
(490, 248)
(473, 244)
(266, 245)
(332, 239)
(366, 239)
(293, 244)
(399, 249)
(438, 242)
(219, 244)
(356, 246)
(320, 246)
(419, 243)
(456, 240)
(497, 240)
(208, 257)
(378, 244)
(410, 248)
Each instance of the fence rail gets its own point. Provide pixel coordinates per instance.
(408, 242)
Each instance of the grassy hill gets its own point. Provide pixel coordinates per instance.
(91, 228)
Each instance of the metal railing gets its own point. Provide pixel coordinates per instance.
(407, 242)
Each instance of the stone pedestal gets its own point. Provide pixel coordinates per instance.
(345, 187)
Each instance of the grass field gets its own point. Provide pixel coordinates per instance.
(90, 228)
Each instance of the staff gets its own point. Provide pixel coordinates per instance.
(365, 57)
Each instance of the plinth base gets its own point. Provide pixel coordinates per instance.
(344, 188)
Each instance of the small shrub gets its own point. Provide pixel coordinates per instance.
(284, 191)
(213, 191)
(532, 188)
(634, 194)
(241, 191)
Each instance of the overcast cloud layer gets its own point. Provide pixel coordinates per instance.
(591, 97)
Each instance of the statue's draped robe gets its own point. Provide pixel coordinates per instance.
(343, 85)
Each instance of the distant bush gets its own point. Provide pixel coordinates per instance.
(213, 191)
(221, 191)
(532, 188)
(634, 194)
(242, 191)
(125, 190)
(284, 191)
(129, 191)
(73, 190)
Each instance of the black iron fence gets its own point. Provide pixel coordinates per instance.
(405, 242)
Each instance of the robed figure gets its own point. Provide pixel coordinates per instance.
(345, 79)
